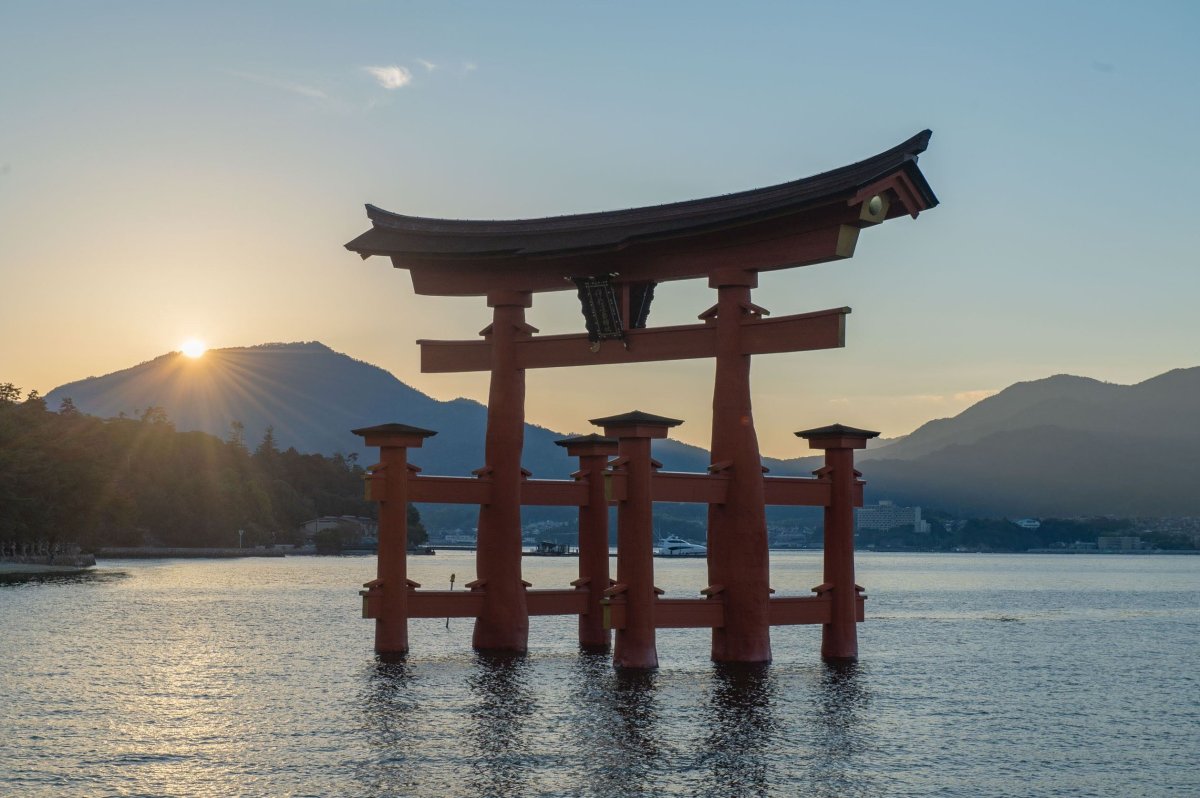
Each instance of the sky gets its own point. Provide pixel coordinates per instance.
(172, 170)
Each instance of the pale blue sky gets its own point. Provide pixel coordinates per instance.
(178, 169)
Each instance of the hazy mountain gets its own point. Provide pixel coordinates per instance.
(1066, 402)
(313, 396)
(1062, 445)
(1058, 446)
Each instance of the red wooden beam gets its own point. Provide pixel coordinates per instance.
(556, 602)
(796, 491)
(789, 610)
(449, 490)
(444, 603)
(670, 486)
(710, 613)
(554, 492)
(832, 234)
(689, 613)
(824, 329)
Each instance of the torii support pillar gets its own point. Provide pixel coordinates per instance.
(503, 622)
(632, 476)
(388, 485)
(593, 452)
(738, 558)
(839, 637)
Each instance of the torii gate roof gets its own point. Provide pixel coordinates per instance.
(764, 228)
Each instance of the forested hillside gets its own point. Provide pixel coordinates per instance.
(69, 477)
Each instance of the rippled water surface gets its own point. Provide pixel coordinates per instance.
(981, 675)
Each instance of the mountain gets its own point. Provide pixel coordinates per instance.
(1063, 446)
(1059, 446)
(313, 396)
(1066, 402)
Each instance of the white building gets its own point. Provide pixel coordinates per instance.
(887, 515)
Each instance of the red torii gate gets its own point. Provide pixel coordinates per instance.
(615, 259)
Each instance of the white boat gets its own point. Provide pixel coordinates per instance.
(675, 546)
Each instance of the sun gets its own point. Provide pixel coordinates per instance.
(193, 347)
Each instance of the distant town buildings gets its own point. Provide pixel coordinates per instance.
(887, 515)
(358, 529)
(1119, 543)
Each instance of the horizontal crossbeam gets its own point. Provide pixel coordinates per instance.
(672, 486)
(824, 329)
(449, 490)
(668, 486)
(707, 612)
(469, 603)
(554, 492)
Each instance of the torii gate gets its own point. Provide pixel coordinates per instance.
(614, 260)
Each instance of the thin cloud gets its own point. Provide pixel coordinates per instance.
(939, 399)
(390, 77)
(468, 67)
(283, 85)
(429, 65)
(974, 396)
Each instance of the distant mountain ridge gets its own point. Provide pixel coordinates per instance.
(1062, 445)
(313, 396)
(1067, 402)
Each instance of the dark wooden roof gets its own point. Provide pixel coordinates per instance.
(836, 430)
(452, 239)
(590, 438)
(394, 429)
(636, 417)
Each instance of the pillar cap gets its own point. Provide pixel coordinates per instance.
(591, 437)
(393, 434)
(578, 445)
(837, 436)
(636, 417)
(636, 424)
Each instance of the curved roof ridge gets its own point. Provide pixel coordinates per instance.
(890, 159)
(398, 234)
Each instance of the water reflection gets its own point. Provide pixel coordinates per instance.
(72, 578)
(840, 740)
(548, 726)
(741, 730)
(388, 706)
(617, 723)
(503, 702)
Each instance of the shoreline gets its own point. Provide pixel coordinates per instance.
(174, 552)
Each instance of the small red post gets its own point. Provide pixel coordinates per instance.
(839, 637)
(388, 485)
(593, 452)
(635, 642)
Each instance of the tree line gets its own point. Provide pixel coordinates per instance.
(70, 478)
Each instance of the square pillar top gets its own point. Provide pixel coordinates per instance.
(584, 445)
(394, 435)
(837, 436)
(636, 424)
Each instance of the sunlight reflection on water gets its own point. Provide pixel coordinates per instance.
(256, 678)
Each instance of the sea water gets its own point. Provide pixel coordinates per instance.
(980, 675)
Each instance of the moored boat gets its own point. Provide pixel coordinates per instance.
(675, 546)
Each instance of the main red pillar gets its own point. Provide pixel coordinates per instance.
(635, 641)
(738, 558)
(593, 452)
(503, 622)
(839, 637)
(389, 486)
